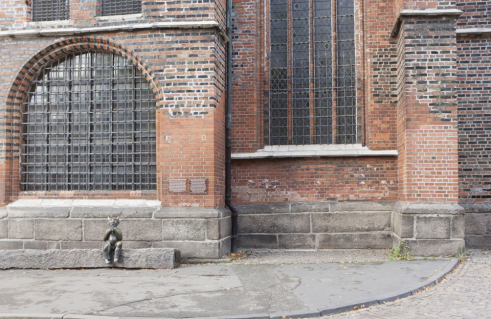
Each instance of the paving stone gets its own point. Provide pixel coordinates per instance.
(57, 229)
(276, 223)
(21, 228)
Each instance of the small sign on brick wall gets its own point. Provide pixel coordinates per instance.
(198, 185)
(177, 185)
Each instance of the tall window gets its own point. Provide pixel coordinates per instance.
(312, 86)
(120, 7)
(89, 124)
(50, 10)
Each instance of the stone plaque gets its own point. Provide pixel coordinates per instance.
(177, 185)
(198, 185)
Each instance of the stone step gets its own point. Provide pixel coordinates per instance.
(152, 258)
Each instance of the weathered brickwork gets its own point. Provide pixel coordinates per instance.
(476, 14)
(474, 63)
(316, 179)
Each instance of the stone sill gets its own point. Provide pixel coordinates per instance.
(25, 203)
(128, 27)
(474, 31)
(116, 18)
(295, 151)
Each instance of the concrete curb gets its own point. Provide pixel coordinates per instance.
(452, 264)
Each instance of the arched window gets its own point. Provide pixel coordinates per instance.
(88, 123)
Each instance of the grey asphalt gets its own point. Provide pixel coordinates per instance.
(237, 290)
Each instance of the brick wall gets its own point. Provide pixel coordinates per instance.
(304, 179)
(186, 68)
(428, 110)
(474, 63)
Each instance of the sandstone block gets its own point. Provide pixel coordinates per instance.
(58, 229)
(277, 223)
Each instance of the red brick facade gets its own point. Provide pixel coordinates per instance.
(422, 105)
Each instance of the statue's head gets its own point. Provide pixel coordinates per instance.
(113, 222)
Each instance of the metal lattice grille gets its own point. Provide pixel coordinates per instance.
(120, 7)
(312, 87)
(89, 124)
(50, 10)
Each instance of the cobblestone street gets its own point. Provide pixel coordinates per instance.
(466, 293)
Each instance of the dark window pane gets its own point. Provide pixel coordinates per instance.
(119, 7)
(84, 127)
(346, 76)
(50, 10)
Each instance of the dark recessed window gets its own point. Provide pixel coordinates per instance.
(89, 124)
(120, 7)
(312, 79)
(50, 10)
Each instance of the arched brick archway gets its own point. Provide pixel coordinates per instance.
(11, 142)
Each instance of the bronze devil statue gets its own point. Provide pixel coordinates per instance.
(113, 239)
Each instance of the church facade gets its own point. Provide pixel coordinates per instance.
(218, 125)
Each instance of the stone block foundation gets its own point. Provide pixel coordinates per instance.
(81, 224)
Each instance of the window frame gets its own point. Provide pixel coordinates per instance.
(107, 12)
(359, 62)
(64, 14)
(90, 81)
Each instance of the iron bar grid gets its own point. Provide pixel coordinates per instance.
(121, 7)
(50, 10)
(312, 90)
(89, 124)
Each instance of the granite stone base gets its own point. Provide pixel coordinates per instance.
(154, 258)
(81, 224)
(430, 228)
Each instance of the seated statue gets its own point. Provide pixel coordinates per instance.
(113, 239)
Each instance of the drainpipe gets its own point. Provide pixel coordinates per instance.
(228, 131)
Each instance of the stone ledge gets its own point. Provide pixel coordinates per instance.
(429, 208)
(155, 258)
(475, 208)
(473, 31)
(317, 207)
(26, 33)
(191, 212)
(296, 151)
(407, 13)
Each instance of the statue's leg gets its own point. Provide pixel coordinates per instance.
(107, 251)
(117, 251)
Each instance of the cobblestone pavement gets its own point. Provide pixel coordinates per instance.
(466, 293)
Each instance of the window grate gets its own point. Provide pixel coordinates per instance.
(50, 10)
(312, 85)
(89, 124)
(121, 7)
